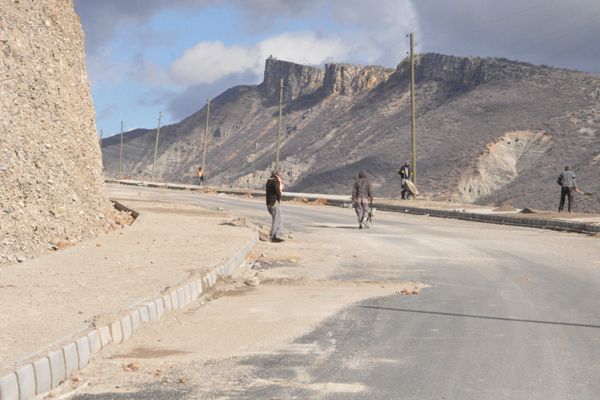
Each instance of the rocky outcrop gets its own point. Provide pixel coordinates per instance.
(471, 71)
(298, 80)
(346, 79)
(50, 167)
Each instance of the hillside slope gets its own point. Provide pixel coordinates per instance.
(50, 166)
(488, 131)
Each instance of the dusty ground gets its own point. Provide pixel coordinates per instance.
(282, 292)
(99, 279)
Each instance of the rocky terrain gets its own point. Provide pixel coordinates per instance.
(50, 165)
(489, 131)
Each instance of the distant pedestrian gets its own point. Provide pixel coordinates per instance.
(201, 175)
(567, 183)
(362, 198)
(273, 189)
(405, 175)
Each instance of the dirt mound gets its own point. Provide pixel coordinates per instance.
(50, 165)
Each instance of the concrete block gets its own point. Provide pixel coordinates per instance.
(214, 276)
(136, 320)
(160, 308)
(194, 289)
(26, 381)
(43, 376)
(181, 297)
(95, 343)
(126, 327)
(144, 313)
(9, 387)
(205, 285)
(167, 301)
(199, 287)
(84, 352)
(174, 300)
(71, 359)
(104, 332)
(58, 370)
(187, 293)
(152, 311)
(116, 332)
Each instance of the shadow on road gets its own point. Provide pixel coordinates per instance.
(481, 317)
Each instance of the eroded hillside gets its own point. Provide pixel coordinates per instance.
(50, 165)
(345, 118)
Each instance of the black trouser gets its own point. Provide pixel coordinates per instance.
(565, 192)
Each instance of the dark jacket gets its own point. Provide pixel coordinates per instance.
(405, 172)
(273, 191)
(567, 179)
(362, 188)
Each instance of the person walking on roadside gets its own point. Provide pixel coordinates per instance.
(567, 183)
(201, 175)
(405, 175)
(273, 189)
(362, 198)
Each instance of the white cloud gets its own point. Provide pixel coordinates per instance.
(208, 62)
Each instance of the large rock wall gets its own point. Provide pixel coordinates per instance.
(50, 164)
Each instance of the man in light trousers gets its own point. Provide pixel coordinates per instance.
(273, 188)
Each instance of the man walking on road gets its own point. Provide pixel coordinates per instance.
(362, 198)
(405, 175)
(274, 188)
(567, 183)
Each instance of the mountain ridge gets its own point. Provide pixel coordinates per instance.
(344, 117)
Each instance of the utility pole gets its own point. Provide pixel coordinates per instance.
(156, 144)
(121, 153)
(413, 140)
(206, 134)
(279, 125)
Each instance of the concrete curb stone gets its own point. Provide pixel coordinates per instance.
(126, 327)
(43, 375)
(136, 320)
(144, 313)
(26, 382)
(167, 302)
(104, 333)
(71, 359)
(181, 297)
(58, 370)
(84, 353)
(174, 300)
(116, 332)
(160, 307)
(152, 311)
(9, 387)
(187, 293)
(95, 342)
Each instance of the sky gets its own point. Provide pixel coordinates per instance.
(169, 56)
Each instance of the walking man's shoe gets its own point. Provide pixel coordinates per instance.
(277, 240)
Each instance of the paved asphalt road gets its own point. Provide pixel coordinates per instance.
(512, 313)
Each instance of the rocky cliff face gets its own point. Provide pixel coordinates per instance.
(50, 167)
(345, 118)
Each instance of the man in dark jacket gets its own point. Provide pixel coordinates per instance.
(567, 183)
(361, 198)
(405, 175)
(273, 190)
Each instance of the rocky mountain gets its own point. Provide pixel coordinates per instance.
(489, 131)
(50, 165)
